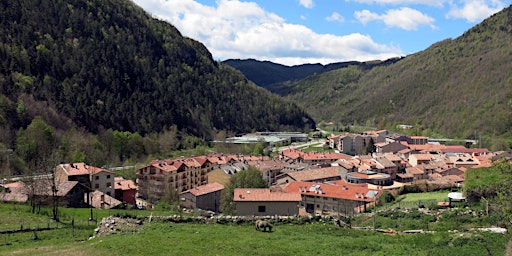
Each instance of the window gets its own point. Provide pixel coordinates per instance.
(109, 184)
(262, 208)
(108, 193)
(97, 177)
(96, 185)
(108, 176)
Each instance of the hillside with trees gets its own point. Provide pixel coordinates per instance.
(280, 79)
(458, 88)
(94, 71)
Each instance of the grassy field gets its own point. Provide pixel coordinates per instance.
(231, 239)
(438, 196)
(167, 238)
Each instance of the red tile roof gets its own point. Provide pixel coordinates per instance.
(205, 189)
(122, 184)
(75, 169)
(347, 191)
(264, 195)
(315, 174)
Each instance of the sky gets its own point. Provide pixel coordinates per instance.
(293, 32)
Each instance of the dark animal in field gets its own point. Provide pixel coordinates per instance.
(262, 225)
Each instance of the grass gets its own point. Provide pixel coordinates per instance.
(231, 239)
(316, 238)
(437, 195)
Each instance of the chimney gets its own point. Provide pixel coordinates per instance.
(300, 189)
(357, 195)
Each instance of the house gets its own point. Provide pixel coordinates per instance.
(417, 159)
(205, 197)
(462, 160)
(101, 200)
(269, 169)
(264, 202)
(165, 176)
(67, 193)
(404, 177)
(89, 176)
(370, 177)
(340, 198)
(393, 147)
(14, 192)
(417, 173)
(125, 190)
(384, 165)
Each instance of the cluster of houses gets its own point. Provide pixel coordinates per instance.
(343, 182)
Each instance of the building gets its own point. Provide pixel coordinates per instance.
(89, 176)
(269, 169)
(339, 198)
(353, 144)
(264, 202)
(418, 159)
(125, 190)
(205, 197)
(172, 176)
(370, 177)
(313, 175)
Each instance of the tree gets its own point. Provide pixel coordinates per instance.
(250, 178)
(35, 146)
(259, 150)
(503, 191)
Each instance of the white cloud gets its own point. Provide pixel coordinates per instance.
(335, 17)
(404, 2)
(306, 3)
(475, 10)
(404, 18)
(235, 29)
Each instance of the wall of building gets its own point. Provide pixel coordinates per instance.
(271, 208)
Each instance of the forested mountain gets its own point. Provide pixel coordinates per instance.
(103, 82)
(457, 87)
(109, 64)
(280, 79)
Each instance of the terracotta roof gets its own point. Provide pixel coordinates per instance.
(74, 169)
(347, 191)
(264, 195)
(266, 165)
(414, 170)
(122, 184)
(315, 174)
(405, 175)
(205, 189)
(44, 187)
(422, 157)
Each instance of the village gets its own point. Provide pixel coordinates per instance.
(345, 180)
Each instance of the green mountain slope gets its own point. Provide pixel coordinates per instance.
(109, 64)
(280, 79)
(458, 88)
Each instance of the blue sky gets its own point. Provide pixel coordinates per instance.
(294, 32)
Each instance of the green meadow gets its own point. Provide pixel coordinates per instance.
(317, 237)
